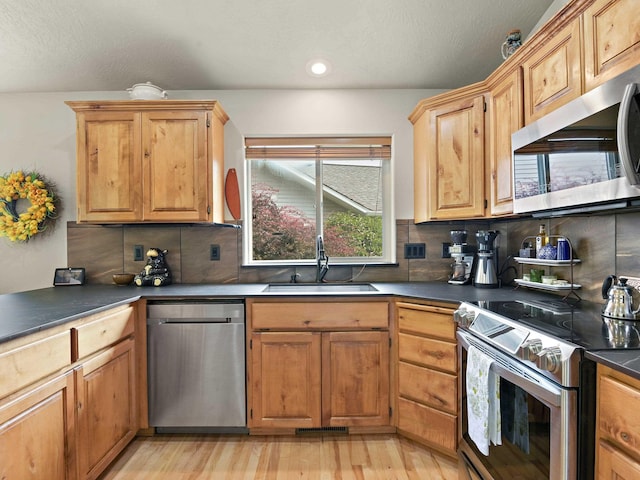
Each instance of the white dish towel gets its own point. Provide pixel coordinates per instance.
(483, 400)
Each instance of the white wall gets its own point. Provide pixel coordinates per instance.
(554, 8)
(37, 132)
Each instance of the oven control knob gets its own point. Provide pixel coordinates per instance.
(549, 359)
(530, 349)
(463, 317)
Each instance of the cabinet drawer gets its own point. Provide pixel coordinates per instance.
(437, 389)
(435, 427)
(618, 415)
(428, 352)
(612, 463)
(432, 321)
(104, 330)
(31, 362)
(320, 315)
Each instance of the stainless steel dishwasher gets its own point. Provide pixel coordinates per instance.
(196, 365)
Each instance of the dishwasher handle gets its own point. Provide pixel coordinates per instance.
(194, 312)
(182, 321)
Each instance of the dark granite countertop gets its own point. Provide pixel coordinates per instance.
(28, 312)
(624, 360)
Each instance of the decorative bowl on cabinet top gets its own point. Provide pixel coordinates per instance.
(147, 91)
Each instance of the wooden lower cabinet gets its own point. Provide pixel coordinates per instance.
(315, 364)
(355, 379)
(107, 408)
(612, 463)
(618, 425)
(319, 379)
(285, 369)
(427, 425)
(427, 367)
(37, 433)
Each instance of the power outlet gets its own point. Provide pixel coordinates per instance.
(414, 250)
(138, 253)
(445, 250)
(214, 252)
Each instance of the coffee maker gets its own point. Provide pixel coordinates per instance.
(462, 258)
(486, 273)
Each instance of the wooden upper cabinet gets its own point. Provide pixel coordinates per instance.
(505, 117)
(148, 161)
(553, 73)
(611, 39)
(174, 159)
(420, 169)
(109, 166)
(456, 160)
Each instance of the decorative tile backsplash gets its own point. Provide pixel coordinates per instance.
(606, 244)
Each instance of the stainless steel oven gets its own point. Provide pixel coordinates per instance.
(546, 424)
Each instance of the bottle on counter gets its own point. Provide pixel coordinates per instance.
(544, 249)
(541, 239)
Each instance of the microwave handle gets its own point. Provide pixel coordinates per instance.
(629, 165)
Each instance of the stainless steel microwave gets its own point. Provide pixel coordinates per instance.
(584, 156)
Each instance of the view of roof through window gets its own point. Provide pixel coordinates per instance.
(333, 189)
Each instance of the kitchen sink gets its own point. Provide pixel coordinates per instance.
(319, 288)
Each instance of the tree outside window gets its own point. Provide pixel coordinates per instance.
(295, 199)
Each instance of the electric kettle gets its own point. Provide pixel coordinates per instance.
(619, 299)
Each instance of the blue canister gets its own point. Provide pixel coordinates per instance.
(564, 250)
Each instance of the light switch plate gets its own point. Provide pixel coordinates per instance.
(138, 253)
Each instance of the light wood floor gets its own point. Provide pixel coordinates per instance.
(329, 457)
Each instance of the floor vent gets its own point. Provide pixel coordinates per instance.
(323, 430)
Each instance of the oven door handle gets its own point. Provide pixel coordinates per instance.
(511, 370)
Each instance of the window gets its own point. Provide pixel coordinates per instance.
(337, 187)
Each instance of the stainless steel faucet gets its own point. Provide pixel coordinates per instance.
(322, 261)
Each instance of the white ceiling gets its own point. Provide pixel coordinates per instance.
(100, 45)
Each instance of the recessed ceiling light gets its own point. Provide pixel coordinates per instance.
(318, 68)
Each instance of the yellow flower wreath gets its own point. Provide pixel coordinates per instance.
(20, 227)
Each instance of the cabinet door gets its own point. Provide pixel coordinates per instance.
(553, 74)
(106, 419)
(285, 379)
(456, 160)
(505, 118)
(619, 421)
(36, 433)
(355, 378)
(614, 464)
(109, 178)
(611, 40)
(175, 166)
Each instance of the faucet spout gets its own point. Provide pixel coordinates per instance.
(322, 261)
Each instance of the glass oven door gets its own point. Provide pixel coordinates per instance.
(538, 423)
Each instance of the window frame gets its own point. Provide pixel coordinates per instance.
(388, 256)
